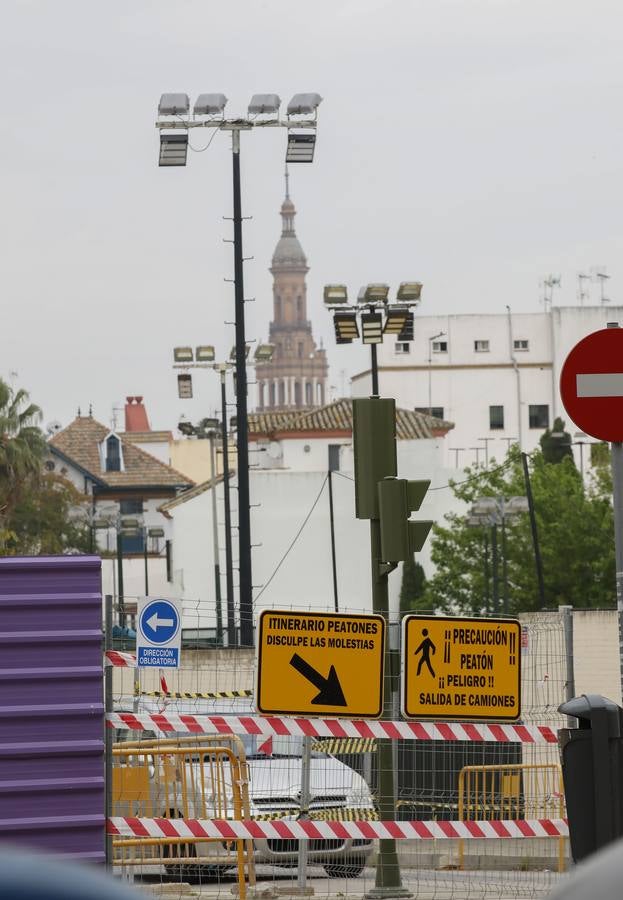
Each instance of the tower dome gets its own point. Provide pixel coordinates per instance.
(288, 252)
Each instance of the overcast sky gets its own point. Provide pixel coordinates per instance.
(473, 144)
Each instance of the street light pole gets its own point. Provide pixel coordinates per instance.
(375, 370)
(229, 565)
(215, 550)
(242, 437)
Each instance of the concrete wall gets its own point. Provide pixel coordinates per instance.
(281, 499)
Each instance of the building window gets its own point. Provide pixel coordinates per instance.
(496, 417)
(309, 394)
(435, 411)
(297, 393)
(282, 394)
(271, 394)
(334, 457)
(520, 345)
(133, 544)
(130, 507)
(538, 415)
(481, 346)
(113, 454)
(403, 347)
(299, 308)
(300, 350)
(440, 346)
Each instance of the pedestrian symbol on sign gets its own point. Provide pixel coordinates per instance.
(425, 648)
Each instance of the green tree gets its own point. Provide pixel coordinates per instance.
(556, 443)
(576, 538)
(49, 518)
(22, 447)
(412, 586)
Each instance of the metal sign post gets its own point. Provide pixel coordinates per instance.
(591, 388)
(305, 798)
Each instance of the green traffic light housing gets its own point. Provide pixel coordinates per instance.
(400, 537)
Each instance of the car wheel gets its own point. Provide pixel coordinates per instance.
(351, 869)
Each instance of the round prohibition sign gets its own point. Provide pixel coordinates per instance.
(591, 384)
(160, 622)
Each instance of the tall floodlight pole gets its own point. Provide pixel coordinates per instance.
(242, 423)
(174, 122)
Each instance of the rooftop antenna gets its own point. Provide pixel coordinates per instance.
(113, 417)
(549, 283)
(601, 276)
(583, 294)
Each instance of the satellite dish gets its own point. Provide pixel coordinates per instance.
(54, 427)
(274, 450)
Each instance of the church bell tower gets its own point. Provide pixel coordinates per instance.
(296, 377)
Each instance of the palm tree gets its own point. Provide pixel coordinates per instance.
(22, 446)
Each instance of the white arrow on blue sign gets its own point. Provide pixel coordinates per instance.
(159, 633)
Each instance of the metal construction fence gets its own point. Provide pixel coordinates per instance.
(504, 838)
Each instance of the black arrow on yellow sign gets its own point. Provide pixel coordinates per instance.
(331, 693)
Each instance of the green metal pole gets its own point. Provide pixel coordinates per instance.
(388, 882)
(120, 599)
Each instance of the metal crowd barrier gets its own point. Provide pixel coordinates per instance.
(515, 791)
(199, 777)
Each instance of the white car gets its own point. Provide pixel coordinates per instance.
(274, 787)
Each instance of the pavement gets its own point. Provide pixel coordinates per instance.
(424, 884)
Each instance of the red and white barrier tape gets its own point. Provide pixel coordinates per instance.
(118, 658)
(337, 728)
(304, 829)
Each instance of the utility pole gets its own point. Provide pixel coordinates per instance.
(229, 564)
(535, 534)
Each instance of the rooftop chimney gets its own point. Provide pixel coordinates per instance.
(136, 415)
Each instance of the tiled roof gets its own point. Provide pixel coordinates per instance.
(338, 416)
(79, 443)
(146, 437)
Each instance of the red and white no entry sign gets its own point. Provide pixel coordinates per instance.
(591, 384)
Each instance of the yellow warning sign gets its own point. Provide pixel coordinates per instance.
(320, 664)
(460, 668)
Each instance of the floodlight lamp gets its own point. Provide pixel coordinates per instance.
(396, 320)
(185, 386)
(264, 352)
(375, 293)
(485, 506)
(185, 427)
(264, 104)
(518, 505)
(304, 104)
(173, 149)
(346, 329)
(101, 523)
(204, 353)
(209, 104)
(335, 295)
(155, 532)
(129, 523)
(406, 334)
(183, 354)
(300, 147)
(409, 291)
(232, 355)
(173, 105)
(210, 424)
(372, 328)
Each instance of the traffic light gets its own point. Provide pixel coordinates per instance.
(374, 446)
(400, 537)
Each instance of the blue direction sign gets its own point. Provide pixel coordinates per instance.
(159, 633)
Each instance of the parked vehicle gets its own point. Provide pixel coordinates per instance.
(274, 792)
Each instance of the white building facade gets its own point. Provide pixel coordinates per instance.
(495, 376)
